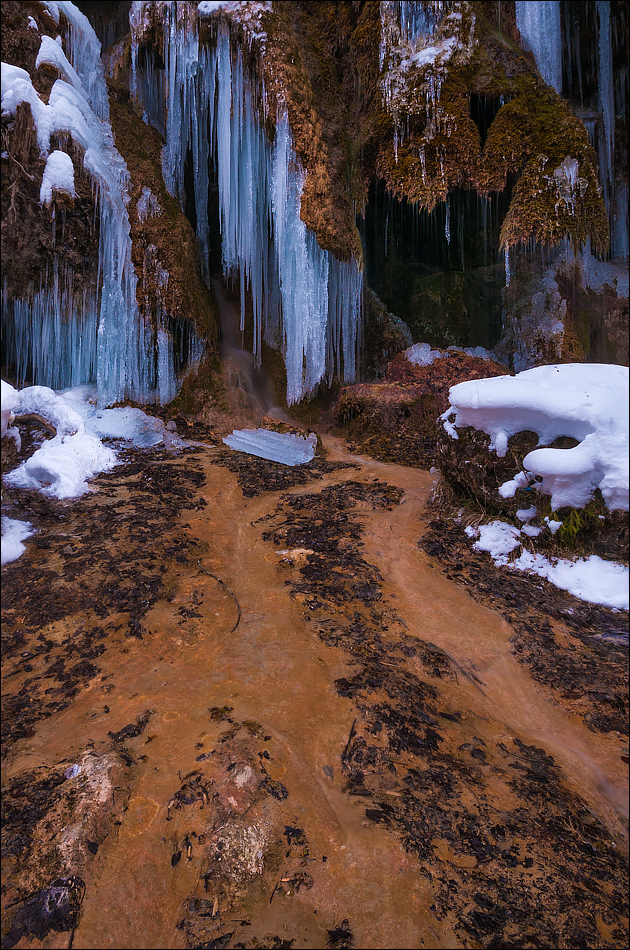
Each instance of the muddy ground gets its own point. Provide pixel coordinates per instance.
(230, 719)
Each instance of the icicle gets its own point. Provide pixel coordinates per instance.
(538, 22)
(447, 223)
(606, 84)
(508, 275)
(297, 305)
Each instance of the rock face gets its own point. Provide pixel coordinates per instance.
(446, 128)
(397, 419)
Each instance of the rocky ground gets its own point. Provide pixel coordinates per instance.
(487, 838)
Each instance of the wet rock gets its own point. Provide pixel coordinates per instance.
(55, 907)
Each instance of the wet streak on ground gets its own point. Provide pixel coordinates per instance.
(293, 728)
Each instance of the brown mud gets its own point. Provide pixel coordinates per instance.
(252, 706)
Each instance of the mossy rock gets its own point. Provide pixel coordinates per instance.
(475, 472)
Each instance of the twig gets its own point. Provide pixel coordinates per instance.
(228, 589)
(344, 754)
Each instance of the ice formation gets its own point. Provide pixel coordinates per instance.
(421, 354)
(51, 335)
(275, 446)
(304, 300)
(586, 401)
(538, 22)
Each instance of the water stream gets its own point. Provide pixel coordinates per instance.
(275, 670)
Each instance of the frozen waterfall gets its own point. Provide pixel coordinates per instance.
(538, 22)
(303, 299)
(55, 335)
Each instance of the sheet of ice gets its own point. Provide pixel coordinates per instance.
(586, 401)
(275, 446)
(539, 24)
(13, 534)
(58, 176)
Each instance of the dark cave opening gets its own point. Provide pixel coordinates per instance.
(440, 272)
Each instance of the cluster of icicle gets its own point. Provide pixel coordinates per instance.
(539, 24)
(55, 335)
(305, 301)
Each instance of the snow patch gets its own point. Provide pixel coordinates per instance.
(58, 176)
(13, 534)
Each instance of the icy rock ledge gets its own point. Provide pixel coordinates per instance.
(274, 446)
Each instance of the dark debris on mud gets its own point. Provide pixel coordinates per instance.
(257, 476)
(98, 559)
(589, 671)
(514, 858)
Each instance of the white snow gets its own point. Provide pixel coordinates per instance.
(10, 400)
(275, 446)
(63, 464)
(51, 54)
(32, 24)
(13, 533)
(58, 176)
(586, 401)
(497, 538)
(591, 579)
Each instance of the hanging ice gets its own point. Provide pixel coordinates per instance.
(538, 22)
(303, 299)
(51, 335)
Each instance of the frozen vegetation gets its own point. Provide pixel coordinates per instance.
(101, 337)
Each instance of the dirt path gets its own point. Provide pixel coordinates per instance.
(292, 728)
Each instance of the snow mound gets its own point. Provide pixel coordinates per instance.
(63, 464)
(588, 402)
(58, 176)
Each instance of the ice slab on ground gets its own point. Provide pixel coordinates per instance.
(125, 422)
(274, 446)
